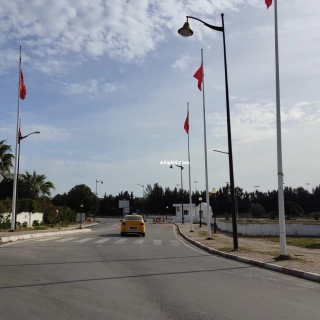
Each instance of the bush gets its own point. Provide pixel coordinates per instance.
(292, 209)
(25, 224)
(256, 210)
(18, 224)
(35, 223)
(273, 215)
(315, 215)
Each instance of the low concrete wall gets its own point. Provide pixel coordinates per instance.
(271, 229)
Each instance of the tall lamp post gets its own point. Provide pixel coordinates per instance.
(182, 213)
(81, 207)
(200, 213)
(97, 181)
(17, 185)
(213, 192)
(142, 185)
(185, 31)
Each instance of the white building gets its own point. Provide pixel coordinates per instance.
(194, 211)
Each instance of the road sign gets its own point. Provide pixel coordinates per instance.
(81, 217)
(124, 204)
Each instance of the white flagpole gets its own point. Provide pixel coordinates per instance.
(205, 154)
(190, 197)
(14, 194)
(282, 225)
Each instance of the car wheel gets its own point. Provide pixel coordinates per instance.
(143, 234)
(122, 234)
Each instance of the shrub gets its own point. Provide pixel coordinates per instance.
(273, 215)
(256, 210)
(35, 223)
(315, 215)
(292, 209)
(25, 224)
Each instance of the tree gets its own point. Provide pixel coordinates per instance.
(292, 209)
(34, 185)
(6, 158)
(256, 210)
(82, 195)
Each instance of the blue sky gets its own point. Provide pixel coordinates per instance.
(108, 84)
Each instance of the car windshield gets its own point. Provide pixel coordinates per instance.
(133, 218)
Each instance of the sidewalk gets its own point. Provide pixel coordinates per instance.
(23, 235)
(304, 263)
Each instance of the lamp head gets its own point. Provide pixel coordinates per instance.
(185, 31)
(200, 199)
(214, 191)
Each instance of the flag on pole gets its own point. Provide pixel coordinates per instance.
(186, 124)
(199, 76)
(268, 3)
(23, 89)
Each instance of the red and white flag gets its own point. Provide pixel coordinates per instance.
(199, 76)
(186, 124)
(268, 3)
(23, 89)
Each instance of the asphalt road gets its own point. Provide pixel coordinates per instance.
(100, 275)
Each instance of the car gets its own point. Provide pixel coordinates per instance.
(133, 224)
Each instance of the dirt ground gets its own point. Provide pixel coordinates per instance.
(303, 259)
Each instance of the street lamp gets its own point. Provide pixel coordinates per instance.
(181, 167)
(14, 228)
(142, 185)
(200, 213)
(97, 185)
(185, 31)
(98, 197)
(167, 213)
(213, 192)
(81, 206)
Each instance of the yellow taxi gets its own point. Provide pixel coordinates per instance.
(133, 224)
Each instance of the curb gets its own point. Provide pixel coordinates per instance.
(39, 235)
(273, 267)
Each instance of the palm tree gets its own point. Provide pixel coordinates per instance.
(6, 158)
(35, 185)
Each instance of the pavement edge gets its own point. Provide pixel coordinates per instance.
(288, 271)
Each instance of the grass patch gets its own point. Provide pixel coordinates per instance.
(40, 228)
(202, 233)
(302, 242)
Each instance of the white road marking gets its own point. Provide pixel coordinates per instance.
(47, 239)
(103, 240)
(157, 242)
(66, 239)
(139, 241)
(175, 242)
(121, 241)
(84, 240)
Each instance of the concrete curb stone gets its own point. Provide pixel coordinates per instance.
(291, 272)
(39, 235)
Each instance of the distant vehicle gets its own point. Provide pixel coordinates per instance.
(133, 224)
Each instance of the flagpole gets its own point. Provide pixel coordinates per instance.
(14, 194)
(205, 154)
(190, 198)
(282, 225)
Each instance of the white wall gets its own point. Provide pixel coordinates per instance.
(28, 217)
(271, 229)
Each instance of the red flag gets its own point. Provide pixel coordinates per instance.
(268, 3)
(23, 89)
(199, 75)
(186, 124)
(19, 136)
